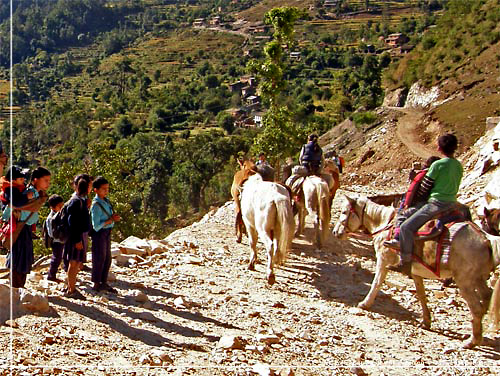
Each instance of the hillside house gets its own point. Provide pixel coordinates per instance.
(236, 87)
(253, 100)
(396, 40)
(257, 118)
(247, 91)
(215, 21)
(295, 55)
(199, 22)
(331, 3)
(404, 49)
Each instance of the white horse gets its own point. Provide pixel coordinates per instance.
(315, 202)
(267, 213)
(471, 260)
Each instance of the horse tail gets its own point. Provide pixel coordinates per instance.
(494, 309)
(323, 195)
(285, 226)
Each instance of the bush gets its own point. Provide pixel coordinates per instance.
(361, 118)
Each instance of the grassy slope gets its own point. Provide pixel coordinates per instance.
(463, 62)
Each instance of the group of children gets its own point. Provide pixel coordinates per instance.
(85, 218)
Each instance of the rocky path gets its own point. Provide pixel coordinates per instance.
(407, 132)
(195, 309)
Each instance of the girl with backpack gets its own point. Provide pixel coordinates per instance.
(78, 224)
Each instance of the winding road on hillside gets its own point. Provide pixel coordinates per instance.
(407, 131)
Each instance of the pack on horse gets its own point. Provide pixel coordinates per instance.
(266, 209)
(314, 195)
(470, 260)
(247, 169)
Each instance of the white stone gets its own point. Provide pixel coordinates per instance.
(129, 250)
(179, 302)
(124, 260)
(34, 301)
(5, 293)
(189, 259)
(139, 296)
(135, 242)
(157, 247)
(230, 343)
(261, 369)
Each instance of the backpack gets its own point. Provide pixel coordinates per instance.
(60, 223)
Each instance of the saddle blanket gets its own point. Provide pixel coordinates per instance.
(435, 253)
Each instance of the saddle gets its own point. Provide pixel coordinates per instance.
(441, 231)
(435, 227)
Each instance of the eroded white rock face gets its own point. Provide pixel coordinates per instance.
(419, 96)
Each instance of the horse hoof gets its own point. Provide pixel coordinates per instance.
(363, 306)
(425, 325)
(238, 240)
(470, 344)
(251, 267)
(271, 279)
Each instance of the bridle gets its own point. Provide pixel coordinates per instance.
(352, 209)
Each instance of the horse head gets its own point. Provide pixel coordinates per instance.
(491, 221)
(349, 220)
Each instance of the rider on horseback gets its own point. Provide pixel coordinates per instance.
(442, 181)
(311, 155)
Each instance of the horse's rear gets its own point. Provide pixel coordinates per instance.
(267, 213)
(317, 204)
(247, 169)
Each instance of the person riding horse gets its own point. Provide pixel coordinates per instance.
(311, 155)
(442, 181)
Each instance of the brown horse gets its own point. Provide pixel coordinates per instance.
(471, 260)
(491, 221)
(247, 169)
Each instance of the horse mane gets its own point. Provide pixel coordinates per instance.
(379, 215)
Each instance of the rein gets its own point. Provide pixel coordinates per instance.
(371, 235)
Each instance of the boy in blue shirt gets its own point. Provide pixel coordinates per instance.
(56, 203)
(103, 220)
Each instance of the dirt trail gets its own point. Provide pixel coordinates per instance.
(407, 131)
(307, 322)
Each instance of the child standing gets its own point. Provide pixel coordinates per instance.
(79, 223)
(56, 203)
(21, 257)
(103, 220)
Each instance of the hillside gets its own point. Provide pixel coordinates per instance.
(460, 57)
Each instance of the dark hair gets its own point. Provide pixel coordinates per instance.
(431, 160)
(14, 172)
(39, 172)
(313, 137)
(55, 200)
(82, 187)
(448, 143)
(99, 181)
(86, 177)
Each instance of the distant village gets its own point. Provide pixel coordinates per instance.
(251, 112)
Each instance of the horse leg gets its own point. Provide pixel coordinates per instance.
(422, 298)
(468, 292)
(301, 216)
(252, 239)
(270, 245)
(380, 274)
(239, 227)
